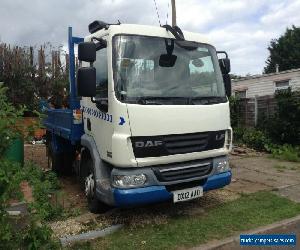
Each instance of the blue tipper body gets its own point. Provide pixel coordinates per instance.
(153, 194)
(60, 121)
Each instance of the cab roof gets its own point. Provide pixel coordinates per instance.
(144, 30)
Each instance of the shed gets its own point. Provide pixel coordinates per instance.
(266, 84)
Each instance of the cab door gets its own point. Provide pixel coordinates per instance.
(98, 112)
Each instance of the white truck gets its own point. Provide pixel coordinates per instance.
(148, 119)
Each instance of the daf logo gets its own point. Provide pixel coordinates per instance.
(148, 144)
(220, 137)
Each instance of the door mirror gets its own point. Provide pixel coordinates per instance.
(224, 65)
(87, 52)
(86, 81)
(227, 84)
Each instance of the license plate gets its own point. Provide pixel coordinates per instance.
(187, 194)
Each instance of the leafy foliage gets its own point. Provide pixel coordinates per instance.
(284, 51)
(37, 236)
(10, 178)
(234, 103)
(285, 152)
(252, 137)
(34, 236)
(284, 126)
(279, 134)
(28, 81)
(44, 184)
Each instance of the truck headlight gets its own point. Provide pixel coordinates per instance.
(129, 180)
(222, 166)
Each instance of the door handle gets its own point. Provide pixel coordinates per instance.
(88, 124)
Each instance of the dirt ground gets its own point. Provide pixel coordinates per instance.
(252, 172)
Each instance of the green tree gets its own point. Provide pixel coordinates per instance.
(284, 51)
(32, 74)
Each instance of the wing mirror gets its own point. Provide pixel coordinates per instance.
(227, 84)
(225, 69)
(86, 81)
(224, 63)
(87, 52)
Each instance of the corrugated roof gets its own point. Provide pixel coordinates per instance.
(266, 75)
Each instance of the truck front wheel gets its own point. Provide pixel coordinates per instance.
(88, 180)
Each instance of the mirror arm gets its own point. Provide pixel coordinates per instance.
(176, 32)
(223, 52)
(98, 101)
(101, 43)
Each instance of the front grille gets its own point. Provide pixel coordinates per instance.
(161, 145)
(181, 144)
(183, 171)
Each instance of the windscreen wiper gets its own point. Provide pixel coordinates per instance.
(205, 100)
(157, 100)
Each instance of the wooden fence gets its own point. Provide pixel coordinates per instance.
(251, 111)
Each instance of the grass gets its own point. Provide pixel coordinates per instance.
(247, 212)
(286, 153)
(44, 185)
(280, 168)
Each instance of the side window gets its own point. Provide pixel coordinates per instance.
(282, 85)
(101, 73)
(241, 94)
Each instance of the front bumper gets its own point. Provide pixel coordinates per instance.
(153, 194)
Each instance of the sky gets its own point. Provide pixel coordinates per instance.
(243, 28)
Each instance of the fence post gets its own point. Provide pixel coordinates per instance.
(255, 110)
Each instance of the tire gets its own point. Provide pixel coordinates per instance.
(55, 161)
(88, 183)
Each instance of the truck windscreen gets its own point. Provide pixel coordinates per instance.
(140, 77)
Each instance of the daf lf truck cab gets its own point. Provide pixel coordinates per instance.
(149, 116)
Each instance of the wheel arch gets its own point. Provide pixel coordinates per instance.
(102, 170)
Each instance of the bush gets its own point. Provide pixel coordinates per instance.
(258, 140)
(10, 179)
(34, 236)
(252, 137)
(234, 103)
(284, 126)
(285, 152)
(38, 237)
(44, 184)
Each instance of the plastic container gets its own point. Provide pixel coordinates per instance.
(15, 152)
